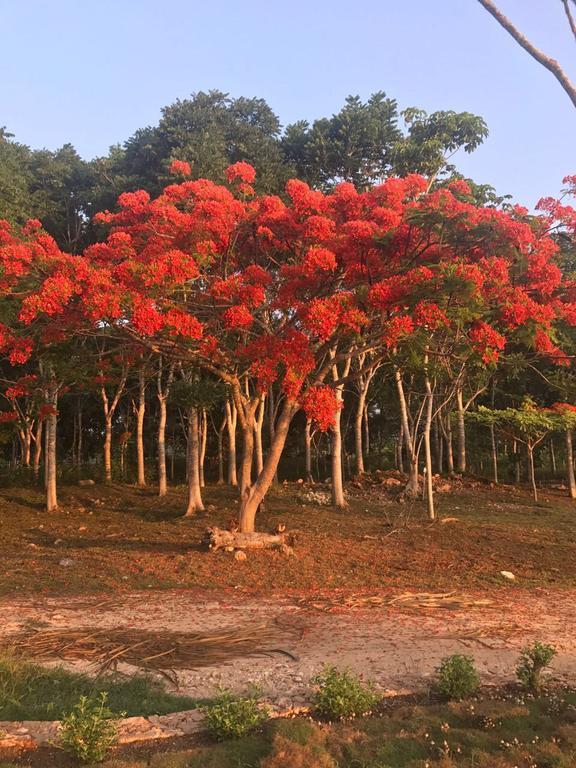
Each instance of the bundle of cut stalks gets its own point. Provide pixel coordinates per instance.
(150, 651)
(407, 600)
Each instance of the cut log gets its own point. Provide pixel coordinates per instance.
(217, 538)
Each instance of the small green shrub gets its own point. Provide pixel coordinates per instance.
(88, 731)
(231, 717)
(533, 661)
(457, 677)
(342, 695)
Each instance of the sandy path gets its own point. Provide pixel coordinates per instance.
(397, 649)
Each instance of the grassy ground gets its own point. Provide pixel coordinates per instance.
(31, 692)
(124, 538)
(504, 731)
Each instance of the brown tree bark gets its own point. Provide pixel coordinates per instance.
(163, 391)
(570, 464)
(231, 423)
(195, 503)
(140, 415)
(50, 462)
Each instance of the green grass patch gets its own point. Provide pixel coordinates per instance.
(31, 692)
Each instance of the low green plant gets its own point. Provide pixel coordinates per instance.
(533, 661)
(342, 695)
(231, 717)
(31, 692)
(456, 677)
(89, 730)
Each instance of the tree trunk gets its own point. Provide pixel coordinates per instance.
(412, 486)
(108, 450)
(308, 451)
(494, 454)
(37, 448)
(366, 432)
(531, 471)
(552, 457)
(231, 421)
(140, 413)
(449, 446)
(162, 477)
(570, 465)
(163, 390)
(203, 440)
(338, 498)
(193, 458)
(79, 445)
(358, 423)
(51, 459)
(250, 502)
(427, 447)
(258, 424)
(516, 453)
(221, 451)
(461, 465)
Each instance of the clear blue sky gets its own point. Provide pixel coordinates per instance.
(91, 73)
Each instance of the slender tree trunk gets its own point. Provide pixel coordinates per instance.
(308, 451)
(271, 422)
(51, 458)
(552, 457)
(259, 422)
(231, 421)
(413, 486)
(37, 448)
(203, 441)
(461, 465)
(366, 432)
(427, 446)
(531, 471)
(108, 449)
(570, 464)
(80, 443)
(516, 453)
(221, 451)
(338, 498)
(162, 476)
(400, 450)
(140, 414)
(358, 423)
(163, 391)
(193, 458)
(494, 454)
(449, 446)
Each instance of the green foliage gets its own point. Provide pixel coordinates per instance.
(88, 731)
(342, 695)
(529, 424)
(432, 139)
(533, 661)
(231, 717)
(31, 692)
(457, 677)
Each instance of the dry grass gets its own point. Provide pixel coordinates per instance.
(149, 651)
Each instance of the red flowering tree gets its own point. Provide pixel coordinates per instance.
(264, 291)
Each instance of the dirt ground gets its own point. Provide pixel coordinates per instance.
(108, 539)
(119, 556)
(397, 648)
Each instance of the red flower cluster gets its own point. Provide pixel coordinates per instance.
(487, 342)
(320, 405)
(180, 168)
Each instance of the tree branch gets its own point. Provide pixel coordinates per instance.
(550, 64)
